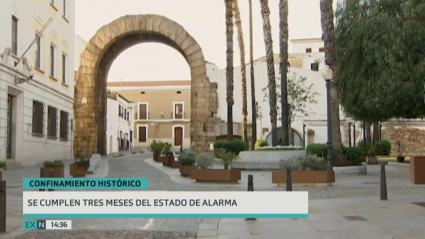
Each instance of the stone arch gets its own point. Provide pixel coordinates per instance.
(98, 56)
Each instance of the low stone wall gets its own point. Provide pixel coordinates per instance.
(412, 137)
(264, 160)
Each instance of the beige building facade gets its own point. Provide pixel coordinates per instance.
(161, 110)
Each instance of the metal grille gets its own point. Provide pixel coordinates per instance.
(63, 134)
(52, 120)
(37, 117)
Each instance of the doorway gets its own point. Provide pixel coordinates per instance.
(178, 136)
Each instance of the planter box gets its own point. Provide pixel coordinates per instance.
(166, 161)
(185, 170)
(175, 164)
(77, 172)
(417, 169)
(304, 177)
(156, 155)
(215, 175)
(58, 172)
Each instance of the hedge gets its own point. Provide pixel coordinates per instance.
(354, 154)
(381, 147)
(235, 146)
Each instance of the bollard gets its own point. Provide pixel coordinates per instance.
(41, 176)
(250, 189)
(2, 206)
(383, 183)
(288, 180)
(51, 175)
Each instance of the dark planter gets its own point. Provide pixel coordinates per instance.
(76, 171)
(215, 175)
(175, 164)
(156, 155)
(166, 160)
(57, 172)
(304, 177)
(417, 169)
(400, 159)
(185, 170)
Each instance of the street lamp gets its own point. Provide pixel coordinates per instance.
(327, 75)
(290, 132)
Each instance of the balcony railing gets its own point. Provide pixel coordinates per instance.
(182, 115)
(162, 116)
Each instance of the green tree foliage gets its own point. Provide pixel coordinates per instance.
(381, 58)
(300, 93)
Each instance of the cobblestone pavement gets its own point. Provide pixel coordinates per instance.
(137, 165)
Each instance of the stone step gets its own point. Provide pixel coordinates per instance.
(11, 163)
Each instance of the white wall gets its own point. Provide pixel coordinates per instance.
(80, 46)
(300, 47)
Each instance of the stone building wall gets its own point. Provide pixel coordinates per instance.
(411, 136)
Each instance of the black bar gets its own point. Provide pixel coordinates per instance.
(354, 135)
(383, 183)
(349, 134)
(51, 175)
(250, 189)
(2, 206)
(41, 176)
(288, 180)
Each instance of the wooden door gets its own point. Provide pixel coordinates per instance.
(178, 136)
(142, 134)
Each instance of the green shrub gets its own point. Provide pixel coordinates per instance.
(204, 161)
(187, 158)
(368, 145)
(157, 145)
(353, 154)
(320, 150)
(53, 164)
(166, 148)
(235, 146)
(83, 163)
(2, 164)
(386, 147)
(260, 143)
(305, 163)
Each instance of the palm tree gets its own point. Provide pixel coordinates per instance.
(283, 14)
(327, 20)
(243, 73)
(265, 13)
(229, 68)
(253, 102)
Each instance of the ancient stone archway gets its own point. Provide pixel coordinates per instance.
(97, 58)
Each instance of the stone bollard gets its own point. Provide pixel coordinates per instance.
(383, 183)
(288, 180)
(51, 175)
(250, 189)
(2, 206)
(41, 176)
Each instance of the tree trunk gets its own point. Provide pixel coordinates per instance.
(226, 166)
(253, 105)
(283, 14)
(368, 134)
(243, 71)
(376, 132)
(327, 20)
(265, 12)
(229, 68)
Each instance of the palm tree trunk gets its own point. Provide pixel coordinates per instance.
(327, 20)
(253, 105)
(283, 14)
(229, 68)
(265, 12)
(243, 71)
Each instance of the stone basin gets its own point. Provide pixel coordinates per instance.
(264, 159)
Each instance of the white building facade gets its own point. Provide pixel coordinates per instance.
(37, 99)
(120, 120)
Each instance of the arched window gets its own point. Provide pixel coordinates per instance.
(295, 138)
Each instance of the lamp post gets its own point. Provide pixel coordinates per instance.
(327, 74)
(290, 132)
(304, 125)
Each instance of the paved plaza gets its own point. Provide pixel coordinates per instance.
(349, 209)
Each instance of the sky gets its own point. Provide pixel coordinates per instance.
(204, 20)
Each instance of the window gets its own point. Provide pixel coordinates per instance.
(128, 115)
(63, 134)
(52, 61)
(321, 49)
(178, 111)
(142, 134)
(308, 50)
(37, 117)
(14, 35)
(37, 50)
(63, 68)
(179, 92)
(143, 111)
(52, 121)
(64, 8)
(119, 110)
